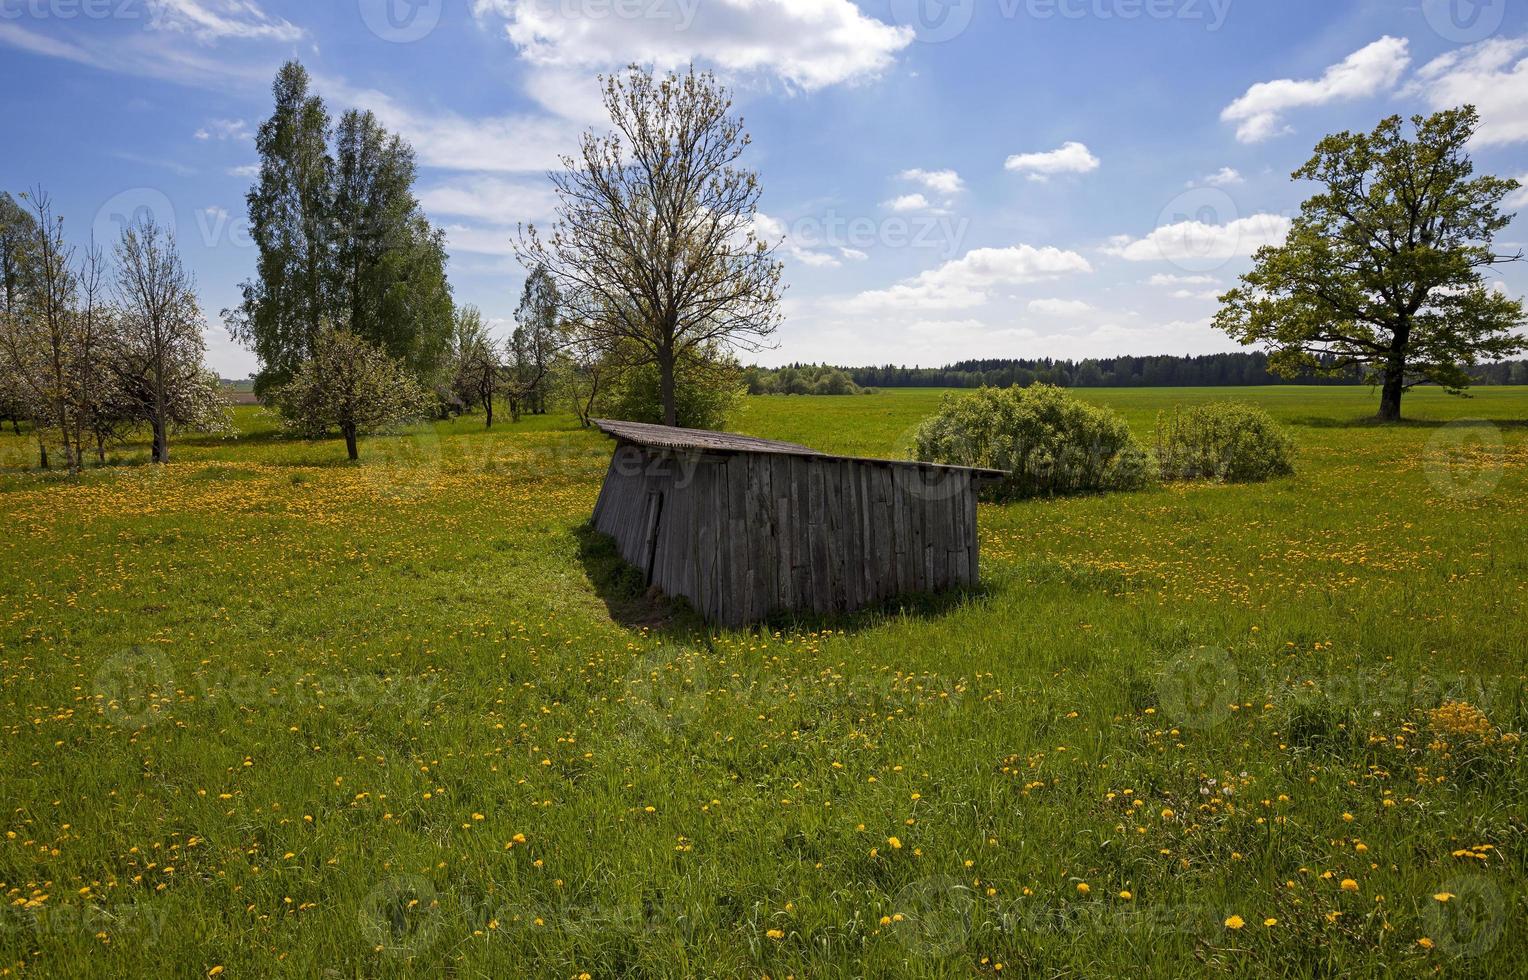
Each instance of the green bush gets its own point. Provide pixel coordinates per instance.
(1227, 441)
(1048, 441)
(707, 391)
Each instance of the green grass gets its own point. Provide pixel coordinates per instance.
(265, 710)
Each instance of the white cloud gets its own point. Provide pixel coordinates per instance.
(1224, 177)
(1372, 69)
(490, 199)
(224, 129)
(245, 170)
(946, 182)
(808, 44)
(1197, 242)
(213, 20)
(145, 54)
(445, 139)
(773, 231)
(1167, 279)
(853, 254)
(908, 202)
(481, 240)
(1070, 157)
(1492, 76)
(971, 279)
(1059, 307)
(1196, 294)
(1519, 197)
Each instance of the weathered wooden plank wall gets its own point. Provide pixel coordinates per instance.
(744, 534)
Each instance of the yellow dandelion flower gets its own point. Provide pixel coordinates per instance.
(1235, 922)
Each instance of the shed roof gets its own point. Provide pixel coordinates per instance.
(705, 440)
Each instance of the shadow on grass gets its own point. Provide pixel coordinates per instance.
(1370, 422)
(635, 606)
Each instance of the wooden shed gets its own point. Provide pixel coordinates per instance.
(743, 527)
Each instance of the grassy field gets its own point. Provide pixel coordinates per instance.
(265, 713)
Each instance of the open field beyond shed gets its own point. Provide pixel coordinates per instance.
(269, 711)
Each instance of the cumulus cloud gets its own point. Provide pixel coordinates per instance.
(1519, 197)
(224, 129)
(492, 199)
(971, 279)
(445, 139)
(1224, 177)
(1372, 69)
(773, 231)
(1167, 279)
(1059, 307)
(809, 44)
(908, 202)
(1198, 242)
(1070, 157)
(1492, 76)
(945, 182)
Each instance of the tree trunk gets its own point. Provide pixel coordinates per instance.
(488, 405)
(666, 386)
(1390, 394)
(161, 451)
(100, 449)
(350, 446)
(42, 451)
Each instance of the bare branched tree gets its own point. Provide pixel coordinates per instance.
(160, 344)
(39, 339)
(654, 247)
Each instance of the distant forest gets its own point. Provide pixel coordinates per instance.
(1164, 371)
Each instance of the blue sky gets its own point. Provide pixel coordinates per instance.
(951, 178)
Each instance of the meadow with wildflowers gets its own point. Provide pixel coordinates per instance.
(267, 713)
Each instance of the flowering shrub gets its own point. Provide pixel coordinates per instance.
(1049, 442)
(1226, 441)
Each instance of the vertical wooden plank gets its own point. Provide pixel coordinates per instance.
(738, 545)
(763, 535)
(975, 538)
(885, 534)
(785, 530)
(853, 525)
(821, 583)
(801, 543)
(902, 535)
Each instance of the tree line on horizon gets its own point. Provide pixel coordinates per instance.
(1232, 369)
